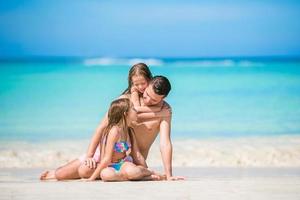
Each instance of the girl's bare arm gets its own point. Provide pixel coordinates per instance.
(135, 99)
(96, 137)
(112, 138)
(164, 112)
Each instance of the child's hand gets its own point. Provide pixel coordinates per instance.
(133, 89)
(90, 163)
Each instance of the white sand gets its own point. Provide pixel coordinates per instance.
(241, 168)
(201, 183)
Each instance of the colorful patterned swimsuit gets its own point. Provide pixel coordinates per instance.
(121, 147)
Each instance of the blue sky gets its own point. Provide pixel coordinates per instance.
(149, 28)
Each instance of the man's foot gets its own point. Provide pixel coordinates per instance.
(47, 175)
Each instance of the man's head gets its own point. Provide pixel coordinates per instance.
(159, 87)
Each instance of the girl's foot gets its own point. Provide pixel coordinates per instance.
(162, 177)
(47, 175)
(154, 177)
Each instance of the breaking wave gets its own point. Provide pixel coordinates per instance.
(121, 61)
(282, 151)
(106, 61)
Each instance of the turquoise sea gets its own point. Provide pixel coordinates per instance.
(65, 99)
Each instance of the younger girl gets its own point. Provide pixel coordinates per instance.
(119, 148)
(138, 80)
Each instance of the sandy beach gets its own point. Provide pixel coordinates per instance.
(201, 183)
(241, 168)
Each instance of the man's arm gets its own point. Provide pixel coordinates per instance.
(166, 147)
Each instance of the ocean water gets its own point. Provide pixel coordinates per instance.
(226, 112)
(209, 98)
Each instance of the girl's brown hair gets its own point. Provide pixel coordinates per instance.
(116, 116)
(139, 69)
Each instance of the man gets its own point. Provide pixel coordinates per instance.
(145, 131)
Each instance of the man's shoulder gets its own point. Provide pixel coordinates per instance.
(166, 105)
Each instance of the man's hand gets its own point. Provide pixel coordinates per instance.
(90, 163)
(175, 178)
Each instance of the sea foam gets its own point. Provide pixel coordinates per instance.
(282, 151)
(106, 61)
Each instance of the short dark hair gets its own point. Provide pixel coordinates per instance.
(161, 85)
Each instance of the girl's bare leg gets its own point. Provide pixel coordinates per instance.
(84, 171)
(71, 170)
(68, 171)
(134, 172)
(110, 174)
(154, 176)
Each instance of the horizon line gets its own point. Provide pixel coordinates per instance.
(166, 58)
